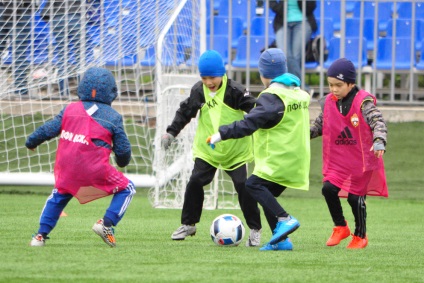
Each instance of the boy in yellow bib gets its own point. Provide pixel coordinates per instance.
(279, 124)
(220, 101)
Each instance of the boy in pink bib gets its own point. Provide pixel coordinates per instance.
(88, 130)
(354, 138)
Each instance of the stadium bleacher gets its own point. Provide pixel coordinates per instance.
(401, 59)
(119, 43)
(221, 26)
(355, 51)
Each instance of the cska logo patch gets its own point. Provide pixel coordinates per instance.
(354, 120)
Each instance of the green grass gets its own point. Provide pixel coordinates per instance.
(146, 253)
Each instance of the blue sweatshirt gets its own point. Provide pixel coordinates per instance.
(106, 91)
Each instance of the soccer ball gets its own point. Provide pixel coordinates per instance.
(227, 230)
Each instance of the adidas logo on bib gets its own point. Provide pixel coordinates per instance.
(345, 138)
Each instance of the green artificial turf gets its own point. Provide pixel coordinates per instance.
(146, 253)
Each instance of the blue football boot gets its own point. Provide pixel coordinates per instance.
(283, 229)
(285, 245)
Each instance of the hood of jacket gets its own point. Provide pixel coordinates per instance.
(98, 84)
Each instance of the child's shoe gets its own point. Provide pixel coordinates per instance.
(38, 241)
(283, 229)
(358, 242)
(254, 239)
(184, 231)
(339, 233)
(285, 245)
(106, 233)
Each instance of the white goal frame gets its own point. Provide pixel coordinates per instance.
(170, 170)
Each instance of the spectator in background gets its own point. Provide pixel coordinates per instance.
(65, 21)
(295, 34)
(15, 24)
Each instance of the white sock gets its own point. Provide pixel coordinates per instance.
(284, 218)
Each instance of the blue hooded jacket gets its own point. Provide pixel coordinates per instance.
(98, 87)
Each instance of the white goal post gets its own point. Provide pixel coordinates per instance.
(152, 48)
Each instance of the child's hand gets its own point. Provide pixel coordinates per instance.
(30, 146)
(212, 140)
(378, 148)
(166, 140)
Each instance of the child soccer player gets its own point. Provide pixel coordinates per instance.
(354, 138)
(88, 130)
(279, 124)
(219, 101)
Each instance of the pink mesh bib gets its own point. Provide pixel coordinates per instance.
(82, 168)
(348, 162)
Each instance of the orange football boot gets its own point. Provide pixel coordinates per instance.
(358, 242)
(339, 233)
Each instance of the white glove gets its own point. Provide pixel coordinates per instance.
(212, 140)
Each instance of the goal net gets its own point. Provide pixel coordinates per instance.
(152, 48)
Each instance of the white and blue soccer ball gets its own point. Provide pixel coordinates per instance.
(227, 230)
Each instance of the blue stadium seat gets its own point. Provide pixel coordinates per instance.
(221, 27)
(172, 53)
(352, 46)
(328, 29)
(184, 27)
(385, 12)
(40, 43)
(149, 59)
(404, 10)
(114, 49)
(220, 44)
(350, 5)
(420, 33)
(239, 9)
(332, 10)
(258, 25)
(400, 61)
(215, 7)
(368, 30)
(404, 29)
(257, 43)
(117, 39)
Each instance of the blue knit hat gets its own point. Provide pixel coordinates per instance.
(211, 64)
(342, 69)
(98, 84)
(272, 63)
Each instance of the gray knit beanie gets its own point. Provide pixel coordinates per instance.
(272, 63)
